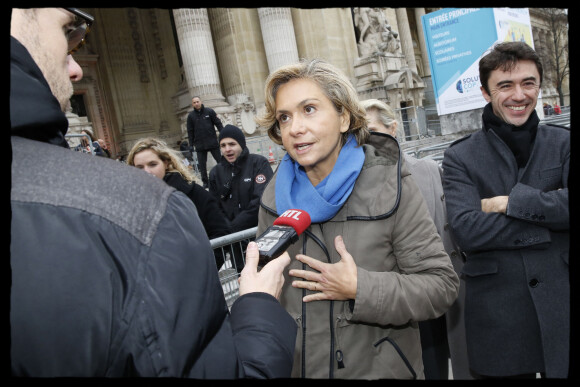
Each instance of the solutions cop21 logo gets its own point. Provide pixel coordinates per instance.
(468, 84)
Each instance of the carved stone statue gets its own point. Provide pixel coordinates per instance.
(375, 33)
(390, 40)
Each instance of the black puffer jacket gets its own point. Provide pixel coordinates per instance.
(118, 282)
(239, 186)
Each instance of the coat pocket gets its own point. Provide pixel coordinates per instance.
(369, 351)
(476, 268)
(400, 353)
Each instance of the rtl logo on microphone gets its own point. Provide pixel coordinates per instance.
(294, 214)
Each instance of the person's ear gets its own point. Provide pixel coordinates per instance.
(393, 128)
(344, 121)
(484, 93)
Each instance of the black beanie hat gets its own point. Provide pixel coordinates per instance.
(235, 133)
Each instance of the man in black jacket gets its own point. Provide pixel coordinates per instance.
(200, 130)
(238, 182)
(110, 283)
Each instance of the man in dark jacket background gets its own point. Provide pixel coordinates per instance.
(202, 136)
(116, 282)
(506, 190)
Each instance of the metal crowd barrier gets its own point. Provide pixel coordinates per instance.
(433, 149)
(264, 146)
(230, 247)
(558, 119)
(434, 152)
(190, 160)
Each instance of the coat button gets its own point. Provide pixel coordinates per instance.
(517, 241)
(541, 217)
(454, 254)
(534, 282)
(442, 197)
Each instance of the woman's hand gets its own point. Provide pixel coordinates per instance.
(332, 281)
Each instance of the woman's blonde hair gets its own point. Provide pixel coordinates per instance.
(165, 153)
(386, 114)
(333, 83)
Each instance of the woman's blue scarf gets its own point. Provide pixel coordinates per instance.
(295, 191)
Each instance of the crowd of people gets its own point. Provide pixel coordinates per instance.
(406, 264)
(549, 109)
(89, 144)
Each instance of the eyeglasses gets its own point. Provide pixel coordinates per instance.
(79, 29)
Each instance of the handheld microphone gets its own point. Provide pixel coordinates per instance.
(285, 231)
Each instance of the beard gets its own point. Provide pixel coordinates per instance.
(55, 72)
(62, 90)
(57, 78)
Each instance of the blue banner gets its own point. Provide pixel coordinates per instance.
(456, 39)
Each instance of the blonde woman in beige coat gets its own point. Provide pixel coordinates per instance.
(444, 337)
(372, 264)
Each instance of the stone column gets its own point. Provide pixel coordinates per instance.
(337, 44)
(197, 51)
(279, 37)
(227, 53)
(406, 40)
(242, 61)
(419, 12)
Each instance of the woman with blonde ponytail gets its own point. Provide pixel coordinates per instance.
(155, 157)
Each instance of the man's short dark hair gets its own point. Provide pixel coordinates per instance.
(505, 56)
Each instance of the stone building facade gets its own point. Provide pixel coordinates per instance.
(142, 66)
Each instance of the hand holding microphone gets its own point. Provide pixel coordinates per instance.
(268, 246)
(268, 280)
(285, 231)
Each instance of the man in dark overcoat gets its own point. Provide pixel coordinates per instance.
(506, 190)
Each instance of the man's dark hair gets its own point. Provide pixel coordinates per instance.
(505, 56)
